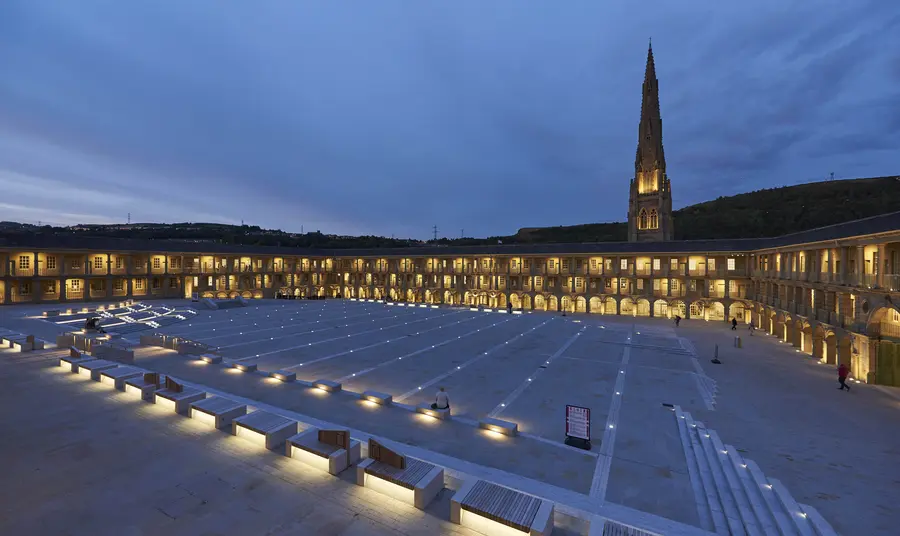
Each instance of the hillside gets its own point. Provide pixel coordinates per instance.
(759, 214)
(764, 213)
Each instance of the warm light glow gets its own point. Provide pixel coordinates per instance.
(427, 419)
(370, 403)
(232, 370)
(308, 458)
(318, 391)
(390, 489)
(250, 435)
(166, 403)
(486, 526)
(203, 417)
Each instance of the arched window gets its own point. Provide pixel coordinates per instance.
(654, 219)
(642, 219)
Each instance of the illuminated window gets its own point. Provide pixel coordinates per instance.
(673, 264)
(731, 264)
(593, 264)
(642, 219)
(654, 219)
(24, 262)
(51, 263)
(623, 264)
(139, 284)
(692, 264)
(156, 263)
(118, 263)
(74, 284)
(119, 284)
(98, 263)
(551, 263)
(656, 264)
(565, 265)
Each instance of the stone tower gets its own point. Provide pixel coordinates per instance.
(650, 201)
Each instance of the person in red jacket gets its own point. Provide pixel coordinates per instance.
(843, 372)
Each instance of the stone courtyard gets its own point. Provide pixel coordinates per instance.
(832, 451)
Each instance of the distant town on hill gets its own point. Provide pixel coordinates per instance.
(760, 214)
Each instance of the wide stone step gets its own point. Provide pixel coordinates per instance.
(740, 499)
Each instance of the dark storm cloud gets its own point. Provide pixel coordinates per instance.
(389, 117)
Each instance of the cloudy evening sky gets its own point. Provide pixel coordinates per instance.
(388, 117)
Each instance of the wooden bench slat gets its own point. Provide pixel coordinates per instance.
(408, 478)
(503, 505)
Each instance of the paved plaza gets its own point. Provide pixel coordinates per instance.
(833, 451)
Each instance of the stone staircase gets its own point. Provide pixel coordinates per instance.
(733, 496)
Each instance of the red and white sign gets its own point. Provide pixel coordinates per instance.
(578, 422)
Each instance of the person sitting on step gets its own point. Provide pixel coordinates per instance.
(441, 400)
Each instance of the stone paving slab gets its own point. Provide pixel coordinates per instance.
(553, 464)
(91, 461)
(362, 357)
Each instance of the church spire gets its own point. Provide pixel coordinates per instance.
(650, 154)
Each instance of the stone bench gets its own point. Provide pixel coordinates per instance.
(211, 359)
(264, 429)
(493, 509)
(379, 398)
(327, 385)
(72, 360)
(284, 375)
(499, 426)
(177, 397)
(425, 409)
(328, 450)
(92, 369)
(144, 386)
(245, 367)
(406, 479)
(117, 376)
(217, 411)
(54, 312)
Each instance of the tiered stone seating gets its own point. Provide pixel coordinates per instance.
(145, 386)
(217, 411)
(117, 376)
(264, 429)
(75, 358)
(732, 493)
(92, 369)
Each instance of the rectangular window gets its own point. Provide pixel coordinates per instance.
(551, 264)
(640, 284)
(623, 264)
(607, 283)
(712, 264)
(593, 264)
(656, 284)
(656, 265)
(119, 263)
(75, 284)
(526, 265)
(579, 281)
(75, 265)
(119, 284)
(51, 263)
(156, 263)
(692, 264)
(565, 265)
(173, 283)
(24, 262)
(673, 264)
(623, 284)
(139, 284)
(25, 288)
(731, 264)
(98, 263)
(156, 283)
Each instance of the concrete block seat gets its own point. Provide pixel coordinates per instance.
(211, 359)
(74, 358)
(177, 397)
(499, 426)
(264, 429)
(494, 509)
(144, 386)
(377, 397)
(406, 479)
(328, 450)
(217, 411)
(92, 369)
(117, 376)
(425, 408)
(26, 343)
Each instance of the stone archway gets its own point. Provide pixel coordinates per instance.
(626, 307)
(596, 303)
(580, 304)
(540, 304)
(642, 307)
(739, 311)
(552, 303)
(661, 309)
(677, 307)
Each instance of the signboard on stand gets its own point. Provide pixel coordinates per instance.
(195, 296)
(578, 427)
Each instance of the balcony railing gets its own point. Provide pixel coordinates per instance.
(74, 294)
(48, 271)
(892, 282)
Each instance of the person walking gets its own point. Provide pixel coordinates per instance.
(441, 400)
(843, 372)
(677, 320)
(752, 328)
(734, 324)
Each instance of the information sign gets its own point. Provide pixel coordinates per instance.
(578, 422)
